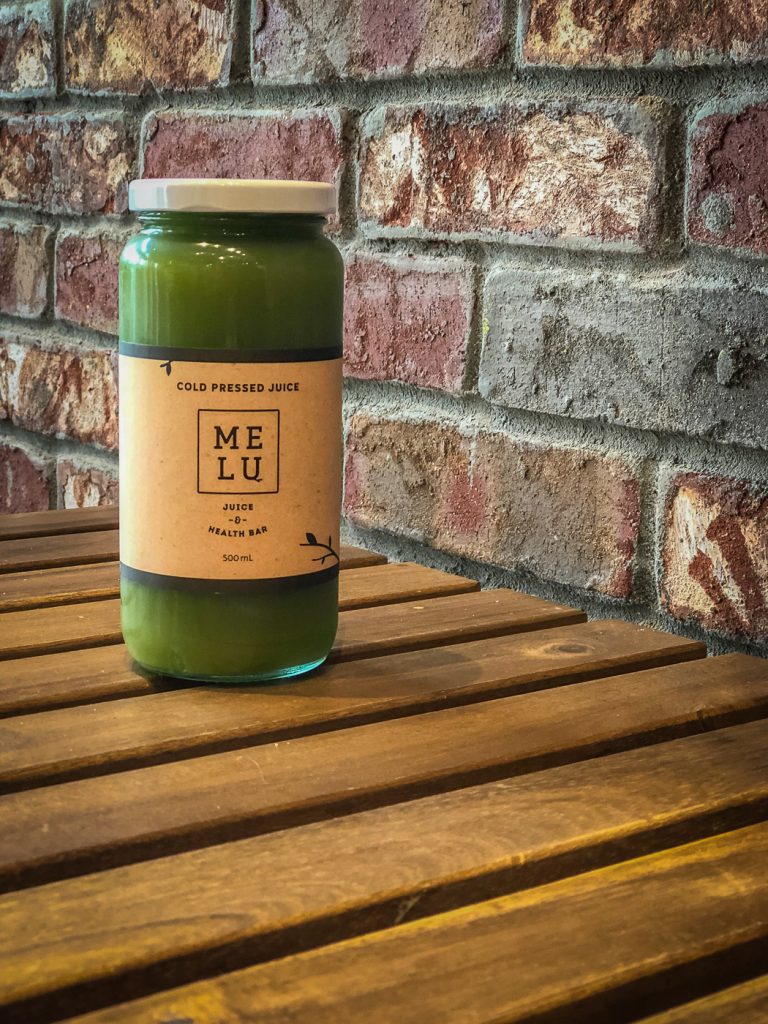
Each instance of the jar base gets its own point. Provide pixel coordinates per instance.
(274, 676)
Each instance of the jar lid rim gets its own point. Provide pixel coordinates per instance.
(232, 195)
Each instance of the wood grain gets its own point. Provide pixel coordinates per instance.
(74, 677)
(62, 549)
(51, 681)
(62, 628)
(61, 521)
(111, 819)
(579, 949)
(442, 759)
(68, 584)
(741, 1004)
(102, 546)
(359, 558)
(362, 633)
(165, 726)
(358, 587)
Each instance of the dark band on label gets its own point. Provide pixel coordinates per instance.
(230, 355)
(244, 587)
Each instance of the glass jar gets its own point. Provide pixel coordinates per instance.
(230, 428)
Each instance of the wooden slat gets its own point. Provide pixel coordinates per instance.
(102, 737)
(584, 942)
(68, 584)
(589, 948)
(80, 676)
(64, 628)
(43, 524)
(98, 674)
(741, 1004)
(102, 546)
(75, 677)
(362, 633)
(114, 818)
(48, 552)
(359, 558)
(359, 588)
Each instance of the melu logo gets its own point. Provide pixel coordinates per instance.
(238, 451)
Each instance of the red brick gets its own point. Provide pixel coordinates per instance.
(302, 145)
(168, 44)
(67, 164)
(541, 173)
(81, 486)
(24, 481)
(729, 179)
(66, 391)
(23, 268)
(408, 319)
(339, 38)
(26, 50)
(572, 517)
(575, 33)
(715, 566)
(86, 279)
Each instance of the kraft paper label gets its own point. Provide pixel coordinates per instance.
(229, 471)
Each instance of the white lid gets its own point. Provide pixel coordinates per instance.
(232, 195)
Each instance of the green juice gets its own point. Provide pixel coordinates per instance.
(230, 378)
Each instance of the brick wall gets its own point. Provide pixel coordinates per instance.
(555, 220)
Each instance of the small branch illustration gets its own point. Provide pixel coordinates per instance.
(167, 367)
(313, 542)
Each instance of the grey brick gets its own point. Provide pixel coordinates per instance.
(661, 353)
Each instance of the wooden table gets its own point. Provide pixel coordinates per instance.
(483, 809)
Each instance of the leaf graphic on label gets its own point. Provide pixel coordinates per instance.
(167, 367)
(325, 549)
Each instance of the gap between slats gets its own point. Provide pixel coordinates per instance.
(742, 1004)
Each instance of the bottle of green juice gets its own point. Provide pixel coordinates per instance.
(230, 428)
